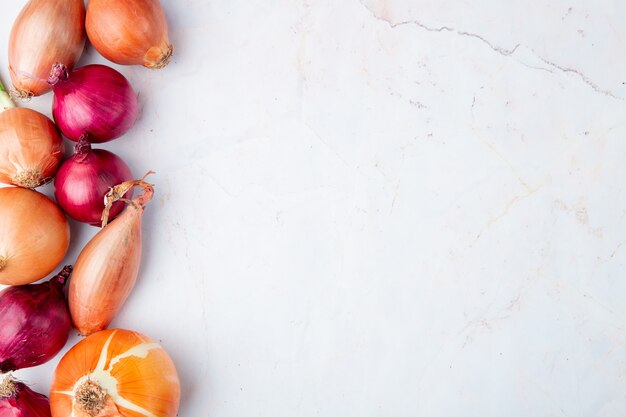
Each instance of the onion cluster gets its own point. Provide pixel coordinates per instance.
(92, 104)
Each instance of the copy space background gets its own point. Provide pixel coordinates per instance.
(382, 208)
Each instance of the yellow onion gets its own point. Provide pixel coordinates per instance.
(129, 32)
(34, 236)
(115, 373)
(31, 148)
(106, 269)
(45, 32)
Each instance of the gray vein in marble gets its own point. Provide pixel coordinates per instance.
(326, 144)
(500, 50)
(395, 197)
(393, 25)
(493, 149)
(617, 248)
(506, 210)
(536, 68)
(582, 76)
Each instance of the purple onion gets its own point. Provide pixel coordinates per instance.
(94, 100)
(18, 400)
(35, 323)
(84, 179)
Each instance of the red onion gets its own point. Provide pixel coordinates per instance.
(17, 400)
(83, 180)
(94, 100)
(35, 323)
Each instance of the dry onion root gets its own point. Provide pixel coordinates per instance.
(17, 399)
(106, 269)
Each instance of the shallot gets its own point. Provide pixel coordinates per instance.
(107, 267)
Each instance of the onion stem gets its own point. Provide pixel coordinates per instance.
(5, 99)
(117, 194)
(63, 276)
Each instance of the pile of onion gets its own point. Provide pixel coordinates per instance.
(111, 372)
(45, 32)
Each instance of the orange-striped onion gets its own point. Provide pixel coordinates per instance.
(31, 148)
(45, 32)
(34, 236)
(115, 373)
(129, 32)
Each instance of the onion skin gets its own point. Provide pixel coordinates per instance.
(45, 32)
(129, 32)
(106, 269)
(84, 179)
(94, 101)
(34, 236)
(18, 400)
(36, 323)
(133, 375)
(31, 148)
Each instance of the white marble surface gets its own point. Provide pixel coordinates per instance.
(383, 208)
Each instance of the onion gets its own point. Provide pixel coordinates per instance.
(17, 400)
(34, 236)
(31, 148)
(94, 100)
(129, 32)
(35, 323)
(117, 373)
(45, 32)
(106, 269)
(84, 179)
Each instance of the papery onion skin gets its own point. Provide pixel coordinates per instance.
(106, 269)
(35, 323)
(18, 400)
(34, 236)
(45, 32)
(141, 371)
(31, 148)
(85, 178)
(94, 101)
(129, 32)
